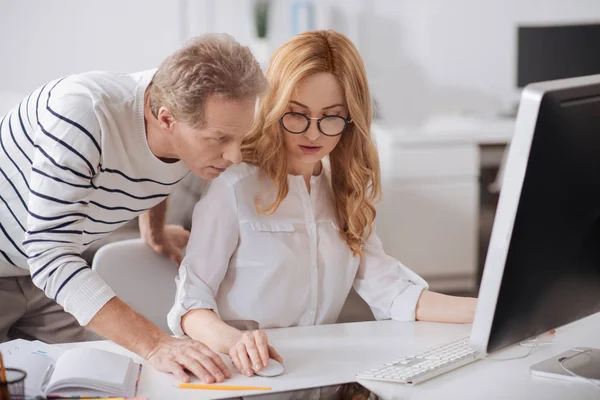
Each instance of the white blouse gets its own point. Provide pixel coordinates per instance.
(286, 269)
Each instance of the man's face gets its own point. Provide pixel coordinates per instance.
(209, 150)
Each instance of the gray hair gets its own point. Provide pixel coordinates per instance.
(212, 64)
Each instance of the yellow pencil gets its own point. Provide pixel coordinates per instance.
(104, 398)
(220, 387)
(4, 388)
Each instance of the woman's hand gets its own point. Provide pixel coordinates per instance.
(251, 353)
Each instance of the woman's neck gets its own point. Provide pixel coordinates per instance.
(306, 170)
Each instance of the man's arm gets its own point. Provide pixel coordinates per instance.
(152, 221)
(168, 240)
(118, 322)
(65, 162)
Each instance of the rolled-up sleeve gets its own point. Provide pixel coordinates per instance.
(213, 240)
(389, 288)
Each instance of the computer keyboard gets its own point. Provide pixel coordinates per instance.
(419, 368)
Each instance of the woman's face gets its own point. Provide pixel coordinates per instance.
(319, 95)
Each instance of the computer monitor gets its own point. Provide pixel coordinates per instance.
(542, 268)
(556, 52)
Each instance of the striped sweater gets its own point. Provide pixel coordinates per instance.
(74, 166)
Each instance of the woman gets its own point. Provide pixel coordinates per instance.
(280, 239)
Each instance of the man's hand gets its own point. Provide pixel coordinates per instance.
(121, 324)
(252, 352)
(177, 355)
(170, 242)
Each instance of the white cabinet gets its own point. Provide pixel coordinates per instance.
(428, 217)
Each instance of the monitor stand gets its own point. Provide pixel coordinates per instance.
(584, 361)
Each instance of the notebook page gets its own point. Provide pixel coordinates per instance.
(94, 369)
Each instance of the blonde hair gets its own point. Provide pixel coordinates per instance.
(213, 64)
(355, 174)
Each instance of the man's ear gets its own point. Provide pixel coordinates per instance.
(165, 118)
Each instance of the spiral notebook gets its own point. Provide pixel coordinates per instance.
(81, 372)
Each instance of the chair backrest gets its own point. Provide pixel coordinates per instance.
(140, 277)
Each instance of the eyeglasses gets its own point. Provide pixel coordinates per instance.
(329, 125)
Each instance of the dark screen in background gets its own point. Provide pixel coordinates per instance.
(546, 53)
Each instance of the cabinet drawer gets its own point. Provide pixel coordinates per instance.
(417, 162)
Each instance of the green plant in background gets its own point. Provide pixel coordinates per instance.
(261, 17)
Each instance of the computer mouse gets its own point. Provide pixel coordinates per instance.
(272, 369)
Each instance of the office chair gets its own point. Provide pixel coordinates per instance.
(143, 279)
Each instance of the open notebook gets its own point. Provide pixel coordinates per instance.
(79, 372)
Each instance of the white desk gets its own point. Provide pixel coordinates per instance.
(329, 354)
(429, 213)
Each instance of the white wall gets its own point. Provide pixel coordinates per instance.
(43, 40)
(432, 56)
(52, 38)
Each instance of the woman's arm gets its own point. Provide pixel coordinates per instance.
(436, 307)
(206, 324)
(213, 240)
(394, 291)
(249, 351)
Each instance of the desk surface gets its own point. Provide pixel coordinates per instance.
(330, 354)
(448, 130)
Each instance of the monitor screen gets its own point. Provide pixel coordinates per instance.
(542, 268)
(555, 52)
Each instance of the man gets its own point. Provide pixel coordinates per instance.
(85, 154)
